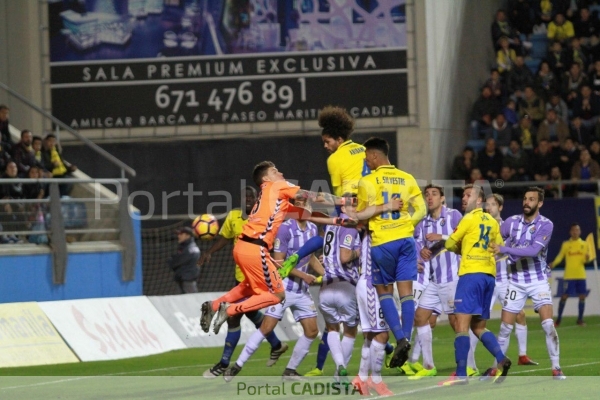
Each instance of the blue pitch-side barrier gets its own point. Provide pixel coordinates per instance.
(88, 275)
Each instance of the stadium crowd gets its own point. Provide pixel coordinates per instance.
(537, 116)
(31, 157)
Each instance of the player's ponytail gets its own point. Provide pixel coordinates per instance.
(336, 122)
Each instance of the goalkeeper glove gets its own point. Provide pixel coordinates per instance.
(288, 265)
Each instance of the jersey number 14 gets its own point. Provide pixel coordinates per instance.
(484, 238)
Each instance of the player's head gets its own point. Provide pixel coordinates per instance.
(250, 198)
(266, 171)
(348, 208)
(376, 152)
(575, 231)
(472, 198)
(494, 204)
(434, 197)
(337, 127)
(532, 201)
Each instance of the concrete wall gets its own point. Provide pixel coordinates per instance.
(459, 55)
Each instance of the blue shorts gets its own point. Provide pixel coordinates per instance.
(474, 294)
(574, 287)
(394, 261)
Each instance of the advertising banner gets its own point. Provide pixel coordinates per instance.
(138, 63)
(182, 313)
(27, 337)
(112, 328)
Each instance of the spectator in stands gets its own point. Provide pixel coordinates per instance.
(526, 133)
(484, 110)
(586, 27)
(507, 175)
(595, 78)
(13, 217)
(532, 105)
(572, 81)
(501, 28)
(505, 56)
(543, 11)
(560, 29)
(587, 107)
(553, 129)
(501, 132)
(575, 54)
(6, 141)
(559, 106)
(545, 81)
(52, 161)
(595, 150)
(23, 153)
(495, 84)
(517, 160)
(33, 190)
(579, 133)
(475, 176)
(510, 113)
(557, 59)
(489, 160)
(543, 160)
(462, 165)
(37, 145)
(5, 158)
(586, 169)
(520, 15)
(184, 262)
(518, 78)
(553, 190)
(568, 154)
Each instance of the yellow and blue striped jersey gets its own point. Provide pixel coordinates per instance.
(346, 166)
(381, 186)
(471, 239)
(575, 252)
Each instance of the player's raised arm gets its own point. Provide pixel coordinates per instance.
(540, 240)
(324, 198)
(561, 255)
(417, 202)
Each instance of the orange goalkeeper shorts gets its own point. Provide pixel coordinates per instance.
(258, 268)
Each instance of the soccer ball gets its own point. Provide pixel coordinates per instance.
(205, 227)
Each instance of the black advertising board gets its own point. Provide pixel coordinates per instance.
(123, 64)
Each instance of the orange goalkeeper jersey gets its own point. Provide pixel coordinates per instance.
(269, 211)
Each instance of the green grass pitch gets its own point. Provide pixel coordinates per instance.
(177, 374)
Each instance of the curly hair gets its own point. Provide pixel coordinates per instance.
(336, 122)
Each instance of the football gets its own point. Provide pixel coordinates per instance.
(205, 227)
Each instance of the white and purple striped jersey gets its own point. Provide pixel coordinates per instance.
(444, 266)
(289, 240)
(337, 237)
(501, 266)
(521, 235)
(424, 276)
(365, 259)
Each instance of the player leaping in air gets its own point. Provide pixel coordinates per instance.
(262, 286)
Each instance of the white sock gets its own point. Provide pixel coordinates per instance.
(416, 350)
(365, 360)
(251, 345)
(377, 357)
(300, 351)
(426, 338)
(335, 346)
(347, 347)
(503, 339)
(471, 357)
(521, 334)
(552, 342)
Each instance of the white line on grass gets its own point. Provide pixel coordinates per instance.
(548, 369)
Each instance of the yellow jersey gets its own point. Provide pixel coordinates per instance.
(471, 240)
(231, 229)
(346, 166)
(381, 186)
(575, 252)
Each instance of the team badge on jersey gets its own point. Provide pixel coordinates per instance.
(442, 222)
(532, 230)
(277, 244)
(348, 240)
